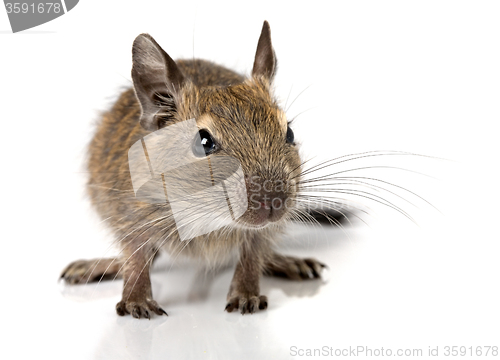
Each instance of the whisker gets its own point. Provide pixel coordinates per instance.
(330, 176)
(288, 97)
(384, 202)
(316, 189)
(328, 201)
(362, 155)
(286, 110)
(400, 187)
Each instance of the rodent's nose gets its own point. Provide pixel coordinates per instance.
(267, 200)
(265, 205)
(269, 206)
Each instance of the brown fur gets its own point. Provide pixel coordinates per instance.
(245, 119)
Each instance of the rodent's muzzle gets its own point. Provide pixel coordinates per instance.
(268, 201)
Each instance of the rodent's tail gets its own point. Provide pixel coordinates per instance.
(327, 217)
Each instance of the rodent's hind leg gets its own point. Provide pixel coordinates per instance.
(85, 271)
(293, 268)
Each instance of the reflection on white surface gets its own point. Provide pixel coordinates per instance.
(369, 297)
(197, 326)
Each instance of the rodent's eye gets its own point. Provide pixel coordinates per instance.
(289, 135)
(204, 144)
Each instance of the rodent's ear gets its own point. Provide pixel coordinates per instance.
(157, 80)
(265, 63)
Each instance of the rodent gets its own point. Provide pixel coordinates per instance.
(237, 117)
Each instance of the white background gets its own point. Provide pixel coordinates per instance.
(421, 77)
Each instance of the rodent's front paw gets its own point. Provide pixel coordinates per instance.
(139, 309)
(246, 303)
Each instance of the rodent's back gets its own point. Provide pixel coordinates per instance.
(205, 73)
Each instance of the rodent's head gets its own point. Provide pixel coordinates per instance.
(242, 120)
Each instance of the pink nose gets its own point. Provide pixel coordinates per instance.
(271, 208)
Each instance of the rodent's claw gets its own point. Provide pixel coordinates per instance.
(295, 268)
(139, 309)
(315, 267)
(138, 312)
(246, 304)
(163, 312)
(263, 303)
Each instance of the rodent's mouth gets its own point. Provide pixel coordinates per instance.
(259, 218)
(253, 220)
(264, 208)
(255, 227)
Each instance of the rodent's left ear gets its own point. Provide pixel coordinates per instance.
(157, 80)
(265, 63)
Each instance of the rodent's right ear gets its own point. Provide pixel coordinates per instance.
(265, 62)
(157, 80)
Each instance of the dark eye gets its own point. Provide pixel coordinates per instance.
(204, 144)
(289, 135)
